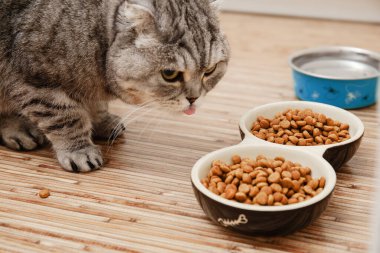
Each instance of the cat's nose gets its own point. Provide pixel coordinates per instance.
(192, 100)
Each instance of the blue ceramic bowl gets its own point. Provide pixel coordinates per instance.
(342, 76)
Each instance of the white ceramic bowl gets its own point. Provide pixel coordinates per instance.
(336, 154)
(263, 220)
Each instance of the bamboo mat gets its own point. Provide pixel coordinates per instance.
(142, 200)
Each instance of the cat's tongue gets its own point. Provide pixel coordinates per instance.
(190, 111)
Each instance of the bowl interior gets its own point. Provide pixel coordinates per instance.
(318, 166)
(356, 129)
(341, 63)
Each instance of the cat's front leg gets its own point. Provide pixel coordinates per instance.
(68, 127)
(105, 125)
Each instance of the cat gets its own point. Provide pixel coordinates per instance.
(61, 62)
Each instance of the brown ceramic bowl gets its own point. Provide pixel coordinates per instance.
(263, 220)
(336, 154)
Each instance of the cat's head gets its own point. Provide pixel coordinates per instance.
(168, 51)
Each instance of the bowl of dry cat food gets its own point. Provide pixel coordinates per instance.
(262, 189)
(280, 178)
(333, 133)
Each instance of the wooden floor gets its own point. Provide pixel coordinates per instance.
(142, 200)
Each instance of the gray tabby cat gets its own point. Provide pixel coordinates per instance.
(61, 62)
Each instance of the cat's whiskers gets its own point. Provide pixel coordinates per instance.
(149, 123)
(117, 129)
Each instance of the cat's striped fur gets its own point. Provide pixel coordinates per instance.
(62, 61)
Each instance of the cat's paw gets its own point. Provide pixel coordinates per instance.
(19, 134)
(83, 160)
(108, 128)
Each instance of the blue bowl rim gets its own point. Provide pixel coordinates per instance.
(370, 54)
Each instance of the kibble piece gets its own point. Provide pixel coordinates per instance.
(285, 124)
(293, 139)
(286, 183)
(313, 184)
(229, 179)
(322, 182)
(216, 171)
(240, 196)
(267, 189)
(308, 189)
(270, 200)
(244, 188)
(254, 191)
(261, 198)
(264, 123)
(230, 191)
(296, 174)
(296, 185)
(292, 201)
(247, 168)
(262, 184)
(284, 200)
(274, 177)
(277, 196)
(213, 189)
(286, 174)
(248, 201)
(260, 179)
(221, 186)
(236, 159)
(276, 187)
(44, 193)
(225, 168)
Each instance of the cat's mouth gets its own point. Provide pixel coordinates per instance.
(190, 110)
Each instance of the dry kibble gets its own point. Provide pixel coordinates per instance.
(262, 198)
(264, 181)
(225, 168)
(285, 124)
(246, 178)
(254, 191)
(286, 174)
(44, 193)
(221, 186)
(308, 189)
(213, 189)
(235, 181)
(262, 184)
(322, 182)
(274, 178)
(244, 188)
(287, 183)
(261, 179)
(229, 179)
(270, 200)
(276, 187)
(267, 189)
(296, 175)
(236, 159)
(230, 191)
(300, 127)
(240, 196)
(247, 168)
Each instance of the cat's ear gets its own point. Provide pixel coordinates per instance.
(135, 15)
(145, 4)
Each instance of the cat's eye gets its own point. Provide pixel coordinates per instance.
(211, 70)
(170, 75)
